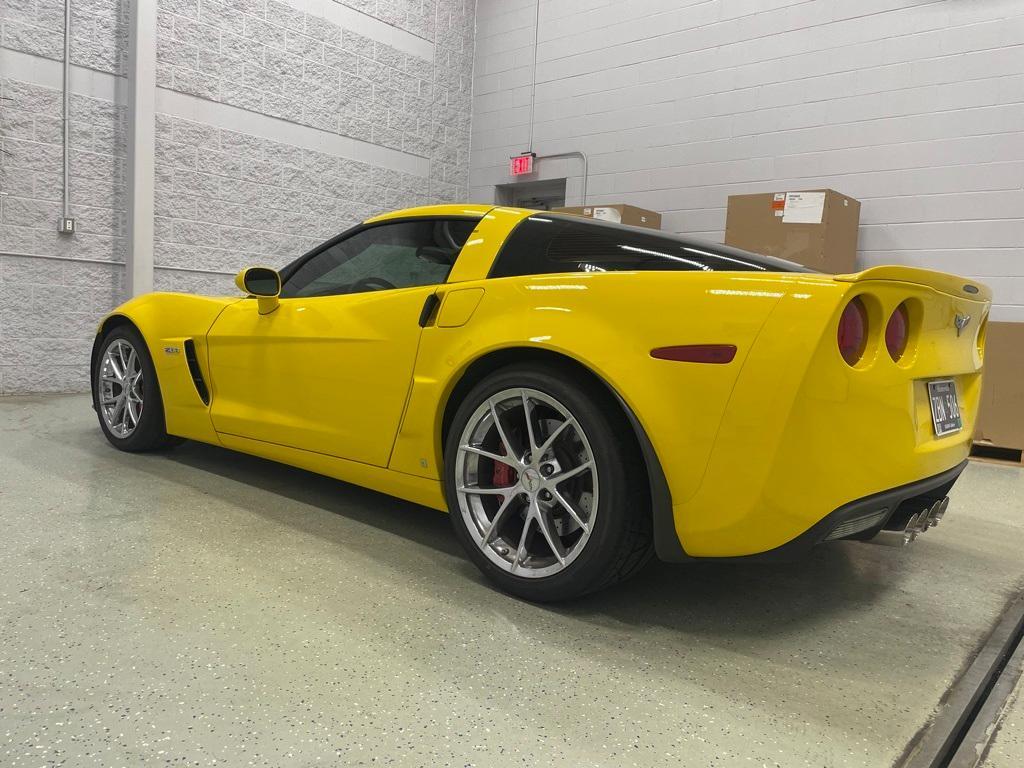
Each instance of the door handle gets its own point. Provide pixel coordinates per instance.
(429, 309)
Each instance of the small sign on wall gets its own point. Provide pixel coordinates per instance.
(521, 165)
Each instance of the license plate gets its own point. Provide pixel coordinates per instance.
(945, 407)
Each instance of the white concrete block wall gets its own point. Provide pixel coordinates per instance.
(53, 288)
(227, 199)
(280, 122)
(915, 108)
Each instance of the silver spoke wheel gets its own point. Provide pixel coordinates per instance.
(120, 388)
(526, 482)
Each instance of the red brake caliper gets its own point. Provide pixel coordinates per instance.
(502, 473)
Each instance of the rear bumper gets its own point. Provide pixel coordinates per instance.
(860, 518)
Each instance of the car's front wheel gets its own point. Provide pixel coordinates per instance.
(127, 394)
(546, 493)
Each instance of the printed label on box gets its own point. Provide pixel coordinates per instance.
(608, 214)
(803, 208)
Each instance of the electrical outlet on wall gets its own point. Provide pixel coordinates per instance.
(66, 226)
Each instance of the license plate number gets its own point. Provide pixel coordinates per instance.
(945, 407)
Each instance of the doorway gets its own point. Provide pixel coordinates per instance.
(542, 195)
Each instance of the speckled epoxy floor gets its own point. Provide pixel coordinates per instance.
(201, 607)
(1007, 747)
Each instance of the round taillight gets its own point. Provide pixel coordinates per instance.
(853, 331)
(897, 331)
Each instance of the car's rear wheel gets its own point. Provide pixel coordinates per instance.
(545, 494)
(127, 394)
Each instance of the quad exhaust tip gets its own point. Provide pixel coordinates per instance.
(918, 523)
(938, 510)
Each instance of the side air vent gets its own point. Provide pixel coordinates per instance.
(193, 369)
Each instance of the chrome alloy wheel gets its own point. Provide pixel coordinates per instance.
(120, 388)
(527, 483)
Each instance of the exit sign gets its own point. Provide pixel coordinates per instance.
(520, 165)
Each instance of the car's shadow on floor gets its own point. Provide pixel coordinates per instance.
(412, 522)
(837, 574)
(713, 600)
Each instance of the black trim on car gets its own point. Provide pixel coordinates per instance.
(195, 372)
(579, 244)
(431, 303)
(663, 526)
(930, 488)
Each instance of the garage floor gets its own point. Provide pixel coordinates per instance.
(1007, 747)
(201, 606)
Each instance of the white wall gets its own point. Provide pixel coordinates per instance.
(915, 107)
(279, 123)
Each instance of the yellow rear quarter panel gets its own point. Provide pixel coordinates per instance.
(608, 322)
(804, 433)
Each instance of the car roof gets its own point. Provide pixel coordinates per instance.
(474, 210)
(477, 210)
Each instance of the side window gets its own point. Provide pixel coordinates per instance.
(550, 244)
(391, 255)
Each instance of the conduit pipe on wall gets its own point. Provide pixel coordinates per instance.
(582, 156)
(533, 100)
(533, 76)
(67, 112)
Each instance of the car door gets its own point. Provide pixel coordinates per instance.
(329, 369)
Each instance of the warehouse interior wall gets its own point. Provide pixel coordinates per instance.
(915, 107)
(279, 123)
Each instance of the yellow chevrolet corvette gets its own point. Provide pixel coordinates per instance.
(578, 394)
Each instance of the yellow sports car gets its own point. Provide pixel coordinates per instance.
(577, 394)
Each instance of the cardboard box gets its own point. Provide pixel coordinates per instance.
(619, 214)
(816, 228)
(1001, 418)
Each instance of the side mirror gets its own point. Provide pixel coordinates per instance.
(262, 282)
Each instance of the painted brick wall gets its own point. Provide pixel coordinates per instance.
(915, 108)
(226, 200)
(49, 306)
(98, 31)
(30, 173)
(274, 58)
(280, 61)
(280, 122)
(415, 17)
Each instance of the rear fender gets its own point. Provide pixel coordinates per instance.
(806, 433)
(582, 317)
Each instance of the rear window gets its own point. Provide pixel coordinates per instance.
(548, 243)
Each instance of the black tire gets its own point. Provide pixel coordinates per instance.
(150, 434)
(620, 541)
